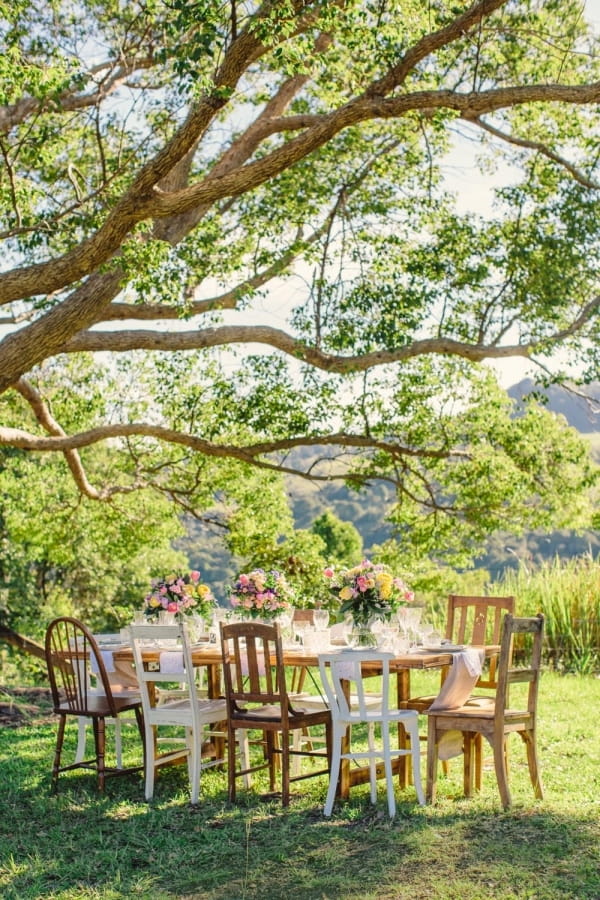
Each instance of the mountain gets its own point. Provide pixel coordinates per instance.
(581, 409)
(367, 509)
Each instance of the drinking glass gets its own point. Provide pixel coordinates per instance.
(321, 619)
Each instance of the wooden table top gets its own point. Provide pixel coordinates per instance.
(210, 654)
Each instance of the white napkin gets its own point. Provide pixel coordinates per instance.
(462, 677)
(107, 659)
(171, 662)
(346, 669)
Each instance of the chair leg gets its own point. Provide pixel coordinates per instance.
(60, 736)
(231, 764)
(501, 773)
(244, 752)
(80, 752)
(372, 763)
(285, 769)
(432, 760)
(404, 772)
(387, 765)
(415, 750)
(100, 744)
(469, 755)
(118, 744)
(194, 766)
(271, 744)
(478, 761)
(532, 761)
(334, 771)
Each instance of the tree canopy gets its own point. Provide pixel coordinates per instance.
(241, 210)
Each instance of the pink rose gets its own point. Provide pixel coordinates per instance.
(243, 579)
(328, 572)
(195, 575)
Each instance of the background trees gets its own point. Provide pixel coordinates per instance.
(241, 210)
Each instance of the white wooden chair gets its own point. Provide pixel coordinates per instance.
(95, 688)
(345, 667)
(195, 715)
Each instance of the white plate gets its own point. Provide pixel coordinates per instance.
(445, 648)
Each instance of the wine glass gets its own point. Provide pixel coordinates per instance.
(321, 619)
(299, 629)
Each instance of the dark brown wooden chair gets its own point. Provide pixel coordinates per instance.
(70, 649)
(495, 723)
(258, 700)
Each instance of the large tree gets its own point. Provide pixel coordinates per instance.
(245, 203)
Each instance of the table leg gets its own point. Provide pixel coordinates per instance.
(402, 693)
(213, 684)
(344, 780)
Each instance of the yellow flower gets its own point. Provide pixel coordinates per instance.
(154, 602)
(346, 593)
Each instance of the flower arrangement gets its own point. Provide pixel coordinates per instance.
(261, 594)
(368, 590)
(179, 594)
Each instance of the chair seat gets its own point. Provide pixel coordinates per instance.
(420, 704)
(273, 712)
(314, 701)
(480, 712)
(98, 706)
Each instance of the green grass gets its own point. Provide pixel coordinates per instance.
(77, 844)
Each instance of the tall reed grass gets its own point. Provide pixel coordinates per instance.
(568, 593)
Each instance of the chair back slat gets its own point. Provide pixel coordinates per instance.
(530, 661)
(71, 650)
(477, 620)
(348, 666)
(253, 664)
(170, 639)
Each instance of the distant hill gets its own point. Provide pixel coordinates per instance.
(581, 413)
(367, 509)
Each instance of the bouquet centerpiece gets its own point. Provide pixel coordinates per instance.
(261, 594)
(179, 594)
(368, 590)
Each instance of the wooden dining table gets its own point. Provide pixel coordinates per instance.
(209, 656)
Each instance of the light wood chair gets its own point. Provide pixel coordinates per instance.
(70, 647)
(495, 723)
(346, 666)
(473, 620)
(258, 700)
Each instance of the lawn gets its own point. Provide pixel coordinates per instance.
(76, 844)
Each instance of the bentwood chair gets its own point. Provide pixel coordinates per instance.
(258, 701)
(70, 648)
(477, 621)
(497, 722)
(345, 667)
(194, 715)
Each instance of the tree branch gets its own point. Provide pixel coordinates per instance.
(49, 423)
(541, 148)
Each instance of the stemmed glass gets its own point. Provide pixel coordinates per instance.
(299, 629)
(321, 619)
